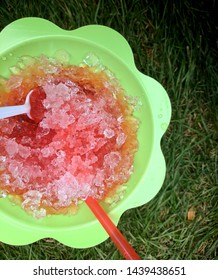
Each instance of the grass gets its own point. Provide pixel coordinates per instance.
(176, 44)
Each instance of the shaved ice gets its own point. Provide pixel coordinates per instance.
(81, 141)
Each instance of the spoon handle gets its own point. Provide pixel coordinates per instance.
(10, 111)
(116, 236)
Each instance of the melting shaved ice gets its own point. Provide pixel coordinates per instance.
(82, 142)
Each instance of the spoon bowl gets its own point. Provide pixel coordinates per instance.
(32, 107)
(11, 111)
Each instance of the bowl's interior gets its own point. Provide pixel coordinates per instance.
(78, 48)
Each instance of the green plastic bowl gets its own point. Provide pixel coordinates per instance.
(36, 36)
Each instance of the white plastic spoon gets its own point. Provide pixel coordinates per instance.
(10, 111)
(33, 106)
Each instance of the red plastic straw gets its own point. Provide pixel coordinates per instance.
(116, 236)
